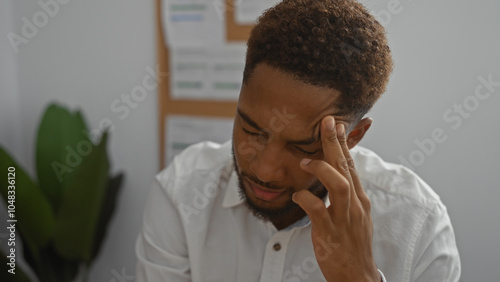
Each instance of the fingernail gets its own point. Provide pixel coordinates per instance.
(305, 162)
(340, 130)
(293, 197)
(330, 123)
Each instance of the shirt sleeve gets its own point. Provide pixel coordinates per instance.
(436, 257)
(161, 247)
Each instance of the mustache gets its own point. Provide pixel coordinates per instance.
(264, 184)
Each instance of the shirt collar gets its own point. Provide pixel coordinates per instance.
(232, 197)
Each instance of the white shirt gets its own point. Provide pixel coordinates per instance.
(196, 227)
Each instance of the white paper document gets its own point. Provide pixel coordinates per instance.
(208, 73)
(193, 22)
(183, 131)
(247, 11)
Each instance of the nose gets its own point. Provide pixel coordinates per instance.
(268, 165)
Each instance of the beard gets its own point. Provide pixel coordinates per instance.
(273, 214)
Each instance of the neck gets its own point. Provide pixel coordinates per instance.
(283, 221)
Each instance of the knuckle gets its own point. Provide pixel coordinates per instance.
(342, 141)
(350, 163)
(332, 137)
(343, 165)
(365, 201)
(343, 188)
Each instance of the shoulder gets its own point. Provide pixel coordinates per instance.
(389, 180)
(412, 232)
(193, 166)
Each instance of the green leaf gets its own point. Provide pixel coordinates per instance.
(81, 205)
(18, 276)
(107, 210)
(35, 218)
(50, 266)
(61, 146)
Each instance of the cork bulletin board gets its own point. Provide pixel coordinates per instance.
(167, 105)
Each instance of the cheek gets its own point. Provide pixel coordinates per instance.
(306, 179)
(296, 177)
(302, 179)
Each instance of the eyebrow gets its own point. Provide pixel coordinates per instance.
(309, 141)
(248, 120)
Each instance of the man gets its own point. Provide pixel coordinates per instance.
(291, 197)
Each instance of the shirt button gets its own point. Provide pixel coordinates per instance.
(277, 247)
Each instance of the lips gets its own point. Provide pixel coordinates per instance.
(265, 193)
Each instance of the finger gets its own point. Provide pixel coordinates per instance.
(333, 140)
(348, 159)
(314, 208)
(331, 146)
(337, 185)
(358, 193)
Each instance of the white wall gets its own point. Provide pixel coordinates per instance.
(440, 48)
(92, 51)
(9, 118)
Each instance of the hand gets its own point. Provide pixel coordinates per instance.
(342, 233)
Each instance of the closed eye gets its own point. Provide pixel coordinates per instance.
(308, 153)
(252, 133)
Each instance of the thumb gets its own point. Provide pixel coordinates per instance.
(313, 206)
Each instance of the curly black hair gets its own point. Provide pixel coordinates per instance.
(328, 43)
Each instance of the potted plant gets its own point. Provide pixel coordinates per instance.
(60, 217)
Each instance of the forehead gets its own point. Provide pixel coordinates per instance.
(270, 91)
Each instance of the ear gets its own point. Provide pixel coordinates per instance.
(358, 132)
